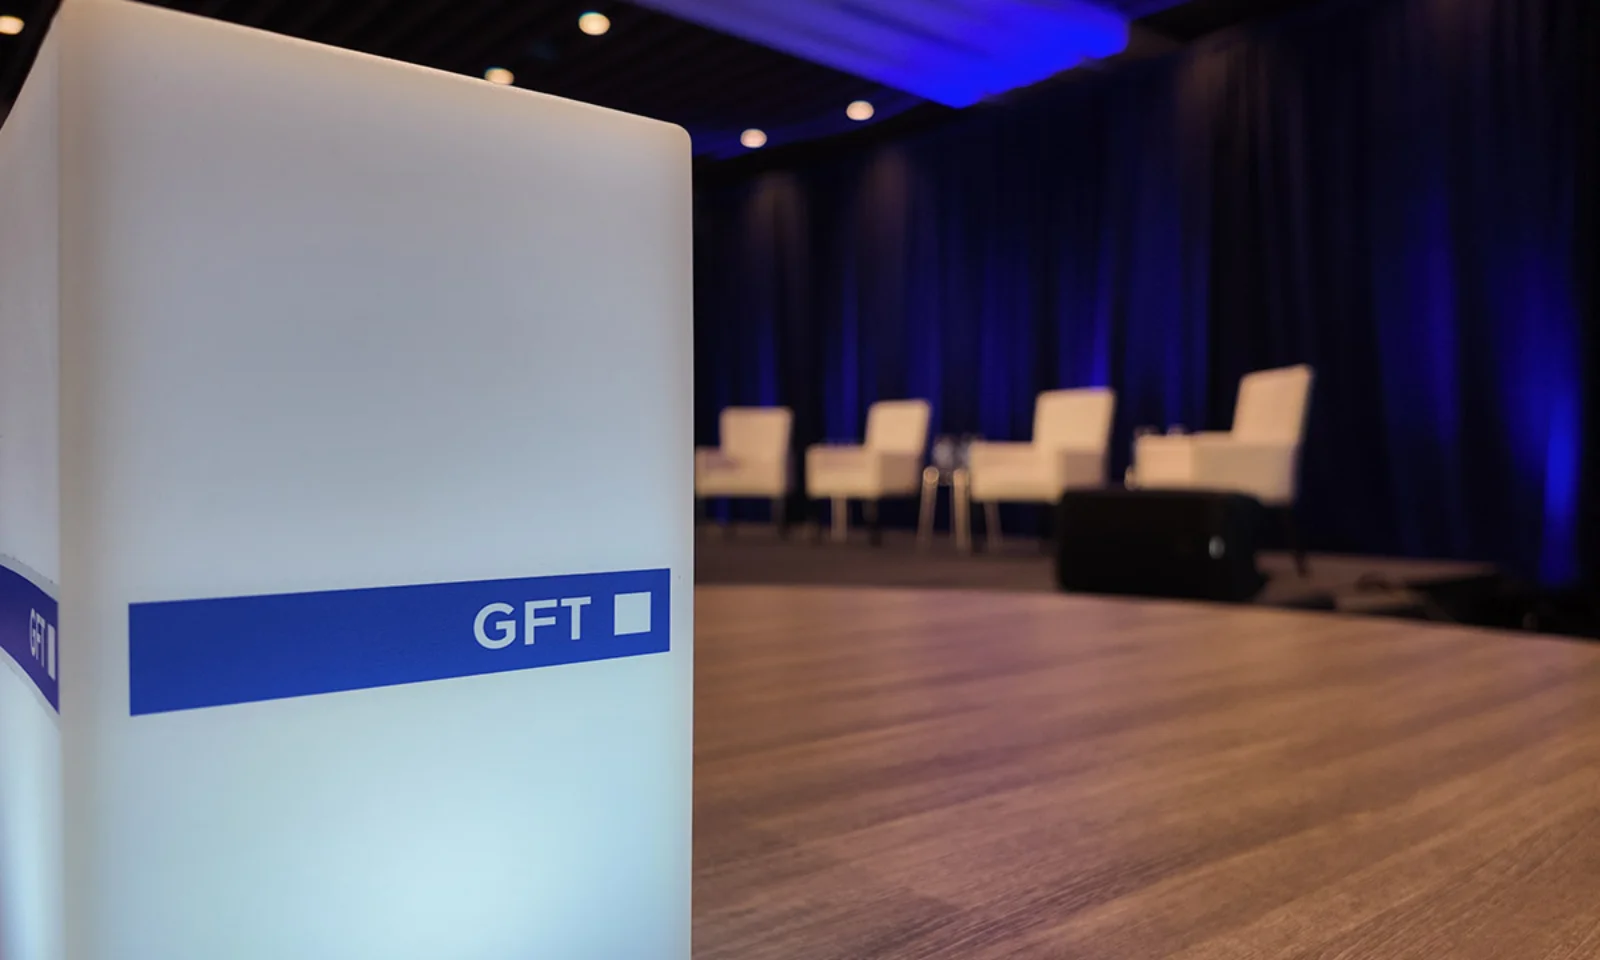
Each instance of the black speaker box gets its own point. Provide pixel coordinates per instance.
(1159, 543)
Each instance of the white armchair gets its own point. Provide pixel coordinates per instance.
(1071, 439)
(752, 461)
(888, 464)
(1260, 456)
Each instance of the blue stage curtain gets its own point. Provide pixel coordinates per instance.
(1394, 191)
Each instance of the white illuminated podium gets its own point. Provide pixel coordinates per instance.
(345, 414)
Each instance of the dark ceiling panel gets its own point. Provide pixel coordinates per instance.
(650, 63)
(1196, 18)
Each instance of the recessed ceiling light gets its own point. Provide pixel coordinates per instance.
(753, 138)
(859, 110)
(10, 26)
(594, 24)
(500, 75)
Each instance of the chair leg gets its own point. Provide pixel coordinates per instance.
(874, 522)
(930, 498)
(841, 520)
(991, 525)
(961, 510)
(780, 516)
(1291, 531)
(1047, 522)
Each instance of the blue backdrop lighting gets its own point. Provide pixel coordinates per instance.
(954, 52)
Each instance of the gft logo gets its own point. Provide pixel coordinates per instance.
(501, 632)
(42, 642)
(498, 626)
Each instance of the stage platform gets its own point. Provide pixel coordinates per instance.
(966, 775)
(754, 554)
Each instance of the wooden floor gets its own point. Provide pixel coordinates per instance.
(904, 774)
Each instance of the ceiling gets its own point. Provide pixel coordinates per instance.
(951, 52)
(652, 63)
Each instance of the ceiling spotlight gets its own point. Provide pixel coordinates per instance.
(594, 24)
(753, 138)
(10, 26)
(500, 75)
(859, 111)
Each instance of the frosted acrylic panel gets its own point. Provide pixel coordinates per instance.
(29, 288)
(30, 739)
(335, 322)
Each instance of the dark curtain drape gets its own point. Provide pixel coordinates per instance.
(1399, 192)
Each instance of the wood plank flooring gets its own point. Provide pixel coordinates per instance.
(904, 774)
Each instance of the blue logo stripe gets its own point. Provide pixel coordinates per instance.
(28, 632)
(187, 654)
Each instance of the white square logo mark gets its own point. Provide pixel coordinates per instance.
(630, 614)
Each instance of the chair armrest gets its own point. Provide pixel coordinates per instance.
(712, 458)
(1164, 460)
(873, 472)
(898, 474)
(1266, 471)
(836, 456)
(1079, 468)
(986, 455)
